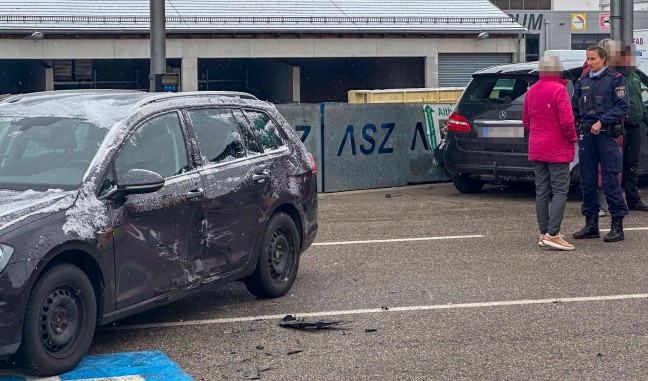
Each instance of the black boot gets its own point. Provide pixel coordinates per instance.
(616, 230)
(591, 229)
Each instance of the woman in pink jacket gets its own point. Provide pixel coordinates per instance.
(548, 117)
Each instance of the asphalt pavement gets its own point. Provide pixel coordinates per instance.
(428, 284)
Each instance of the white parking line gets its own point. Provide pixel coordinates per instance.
(397, 240)
(626, 229)
(381, 310)
(427, 238)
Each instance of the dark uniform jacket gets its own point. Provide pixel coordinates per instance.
(603, 98)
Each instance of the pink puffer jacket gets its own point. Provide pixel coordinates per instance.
(549, 118)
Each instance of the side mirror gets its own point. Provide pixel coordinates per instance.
(136, 181)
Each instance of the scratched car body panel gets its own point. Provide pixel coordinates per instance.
(145, 197)
(486, 141)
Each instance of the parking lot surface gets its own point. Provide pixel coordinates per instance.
(429, 284)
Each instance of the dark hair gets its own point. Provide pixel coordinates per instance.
(601, 52)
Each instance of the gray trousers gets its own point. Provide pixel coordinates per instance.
(552, 188)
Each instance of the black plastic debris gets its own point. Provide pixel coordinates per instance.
(289, 321)
(371, 330)
(294, 351)
(259, 347)
(384, 308)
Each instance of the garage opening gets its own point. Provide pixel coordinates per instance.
(457, 69)
(309, 80)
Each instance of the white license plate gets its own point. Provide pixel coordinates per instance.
(501, 132)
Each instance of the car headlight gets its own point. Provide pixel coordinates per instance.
(5, 255)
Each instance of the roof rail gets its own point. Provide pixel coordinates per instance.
(11, 98)
(159, 97)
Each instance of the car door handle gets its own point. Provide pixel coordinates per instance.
(194, 194)
(260, 177)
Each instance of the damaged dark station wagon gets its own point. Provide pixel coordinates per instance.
(114, 202)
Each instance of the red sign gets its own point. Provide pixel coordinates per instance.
(604, 21)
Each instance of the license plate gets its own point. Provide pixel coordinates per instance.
(501, 132)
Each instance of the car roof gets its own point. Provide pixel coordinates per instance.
(526, 67)
(128, 96)
(106, 107)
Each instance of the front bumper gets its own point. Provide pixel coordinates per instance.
(13, 283)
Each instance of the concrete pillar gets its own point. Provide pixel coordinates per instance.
(432, 71)
(49, 79)
(189, 76)
(296, 84)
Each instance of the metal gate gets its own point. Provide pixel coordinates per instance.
(457, 69)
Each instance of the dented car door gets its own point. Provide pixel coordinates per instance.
(157, 235)
(234, 189)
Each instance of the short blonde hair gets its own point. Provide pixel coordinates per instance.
(605, 44)
(550, 64)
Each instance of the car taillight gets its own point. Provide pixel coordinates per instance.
(312, 162)
(458, 123)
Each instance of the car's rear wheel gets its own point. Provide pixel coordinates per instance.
(59, 322)
(465, 184)
(278, 262)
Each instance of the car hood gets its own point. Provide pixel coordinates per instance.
(21, 207)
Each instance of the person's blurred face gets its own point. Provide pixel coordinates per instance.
(628, 58)
(549, 66)
(594, 60)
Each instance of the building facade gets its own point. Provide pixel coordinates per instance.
(283, 51)
(550, 30)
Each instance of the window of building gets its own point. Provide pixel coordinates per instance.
(522, 4)
(532, 47)
(583, 41)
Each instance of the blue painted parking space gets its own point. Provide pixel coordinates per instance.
(132, 366)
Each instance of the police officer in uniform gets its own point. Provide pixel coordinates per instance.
(600, 103)
(632, 126)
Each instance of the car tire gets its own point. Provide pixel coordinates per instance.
(278, 261)
(465, 184)
(59, 322)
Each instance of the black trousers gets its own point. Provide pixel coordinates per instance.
(631, 153)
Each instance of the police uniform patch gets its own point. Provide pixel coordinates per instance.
(620, 91)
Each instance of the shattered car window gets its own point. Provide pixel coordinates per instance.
(47, 152)
(265, 129)
(218, 135)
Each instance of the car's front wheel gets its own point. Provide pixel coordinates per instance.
(278, 262)
(59, 322)
(465, 184)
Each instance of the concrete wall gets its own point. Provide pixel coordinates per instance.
(363, 146)
(580, 5)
